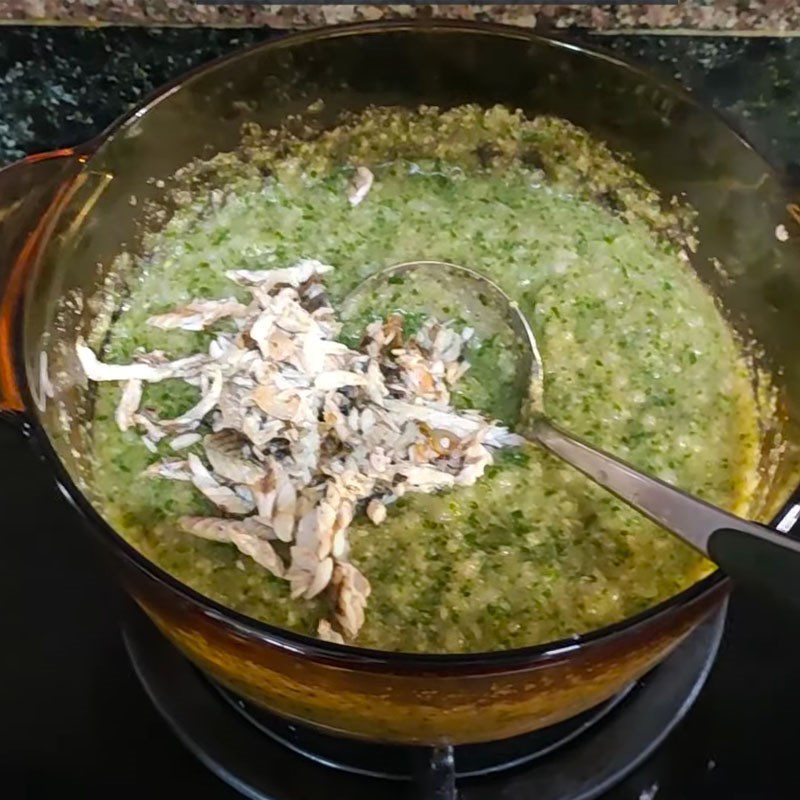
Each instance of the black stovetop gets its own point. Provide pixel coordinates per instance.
(75, 722)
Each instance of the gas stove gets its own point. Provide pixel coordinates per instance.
(269, 758)
(78, 721)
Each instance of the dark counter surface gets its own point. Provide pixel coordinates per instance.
(75, 723)
(60, 86)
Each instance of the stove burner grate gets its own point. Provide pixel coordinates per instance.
(265, 757)
(393, 762)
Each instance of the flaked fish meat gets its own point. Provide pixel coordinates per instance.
(199, 314)
(294, 433)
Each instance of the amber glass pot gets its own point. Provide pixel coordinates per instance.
(66, 214)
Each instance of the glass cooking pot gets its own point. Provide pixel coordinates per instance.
(66, 214)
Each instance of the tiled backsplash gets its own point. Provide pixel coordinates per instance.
(765, 17)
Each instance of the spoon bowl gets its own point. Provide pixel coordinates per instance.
(435, 288)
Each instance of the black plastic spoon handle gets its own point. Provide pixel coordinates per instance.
(768, 562)
(748, 552)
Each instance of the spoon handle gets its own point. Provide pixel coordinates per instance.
(748, 552)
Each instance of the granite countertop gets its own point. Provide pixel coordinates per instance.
(775, 17)
(61, 85)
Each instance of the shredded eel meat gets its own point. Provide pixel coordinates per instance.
(302, 430)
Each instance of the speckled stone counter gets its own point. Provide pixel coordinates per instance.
(60, 86)
(775, 17)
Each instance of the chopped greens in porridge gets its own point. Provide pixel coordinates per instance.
(362, 482)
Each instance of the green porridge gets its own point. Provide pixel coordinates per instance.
(638, 360)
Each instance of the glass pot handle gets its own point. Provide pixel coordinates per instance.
(29, 191)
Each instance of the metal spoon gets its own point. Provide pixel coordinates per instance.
(747, 551)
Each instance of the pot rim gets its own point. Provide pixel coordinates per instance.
(715, 583)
